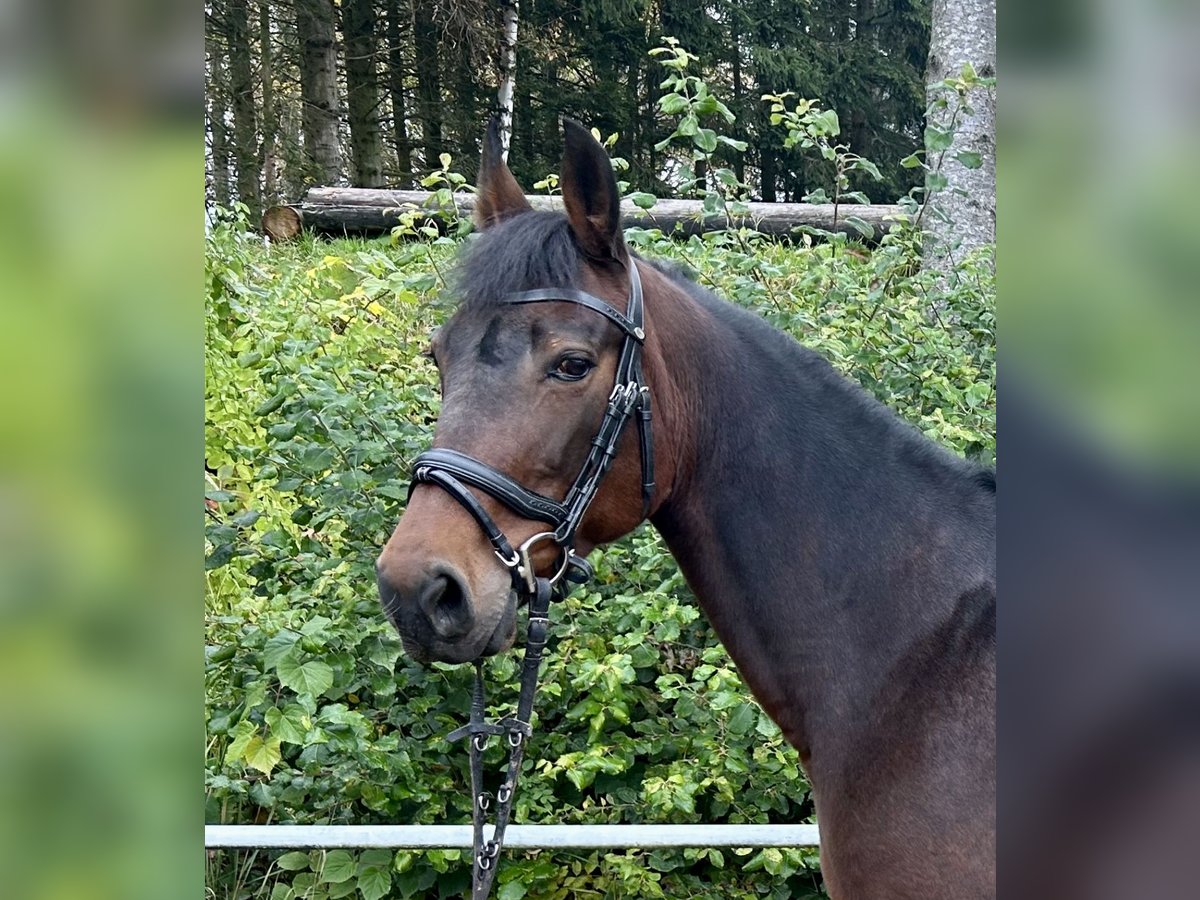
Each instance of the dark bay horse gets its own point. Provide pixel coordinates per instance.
(845, 561)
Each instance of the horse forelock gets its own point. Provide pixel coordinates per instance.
(528, 251)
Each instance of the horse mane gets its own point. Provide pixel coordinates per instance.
(536, 250)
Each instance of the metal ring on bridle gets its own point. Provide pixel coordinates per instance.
(525, 566)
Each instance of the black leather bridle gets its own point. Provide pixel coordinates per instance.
(456, 473)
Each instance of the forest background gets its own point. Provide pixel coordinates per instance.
(371, 93)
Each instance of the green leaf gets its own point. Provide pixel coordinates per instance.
(867, 166)
(269, 406)
(374, 883)
(313, 677)
(937, 139)
(706, 140)
(289, 724)
(826, 123)
(642, 200)
(862, 227)
(294, 861)
(384, 655)
(262, 754)
(969, 159)
(277, 647)
(977, 393)
(672, 104)
(936, 181)
(911, 161)
(284, 431)
(340, 866)
(245, 732)
(513, 890)
(375, 874)
(246, 519)
(743, 718)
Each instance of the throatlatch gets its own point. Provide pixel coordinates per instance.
(456, 473)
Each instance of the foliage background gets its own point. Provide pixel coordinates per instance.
(317, 397)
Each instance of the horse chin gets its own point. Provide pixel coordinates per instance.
(505, 633)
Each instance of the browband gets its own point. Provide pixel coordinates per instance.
(583, 298)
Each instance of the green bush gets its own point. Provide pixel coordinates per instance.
(317, 399)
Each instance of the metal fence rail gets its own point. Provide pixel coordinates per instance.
(517, 837)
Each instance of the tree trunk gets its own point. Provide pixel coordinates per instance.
(766, 157)
(245, 123)
(359, 211)
(739, 132)
(523, 114)
(429, 84)
(963, 32)
(362, 100)
(508, 74)
(466, 116)
(270, 116)
(219, 128)
(319, 88)
(396, 71)
(864, 40)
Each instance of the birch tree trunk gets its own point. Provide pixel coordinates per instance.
(508, 74)
(963, 31)
(362, 99)
(270, 117)
(218, 128)
(319, 88)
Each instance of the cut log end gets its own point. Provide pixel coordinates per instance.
(282, 223)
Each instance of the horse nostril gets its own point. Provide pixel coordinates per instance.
(444, 600)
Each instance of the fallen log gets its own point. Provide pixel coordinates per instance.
(335, 210)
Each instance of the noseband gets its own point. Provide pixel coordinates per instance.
(456, 473)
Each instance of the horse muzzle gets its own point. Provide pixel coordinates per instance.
(438, 618)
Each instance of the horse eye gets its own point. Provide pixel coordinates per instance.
(572, 368)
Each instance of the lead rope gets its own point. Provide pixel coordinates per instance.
(516, 729)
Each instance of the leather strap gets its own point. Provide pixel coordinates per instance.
(632, 329)
(479, 474)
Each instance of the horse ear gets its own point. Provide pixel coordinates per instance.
(589, 190)
(497, 196)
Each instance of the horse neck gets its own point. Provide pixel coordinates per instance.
(829, 546)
